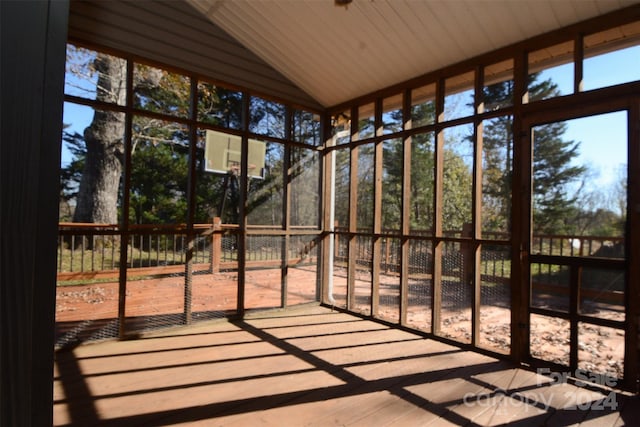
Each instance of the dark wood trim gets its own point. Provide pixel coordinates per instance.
(124, 220)
(377, 208)
(616, 324)
(191, 182)
(405, 224)
(327, 221)
(520, 219)
(578, 261)
(472, 250)
(243, 197)
(574, 303)
(436, 302)
(578, 56)
(632, 306)
(585, 104)
(593, 102)
(353, 210)
(286, 208)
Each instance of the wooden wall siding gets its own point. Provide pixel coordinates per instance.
(173, 33)
(33, 54)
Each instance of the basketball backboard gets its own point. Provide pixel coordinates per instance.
(223, 154)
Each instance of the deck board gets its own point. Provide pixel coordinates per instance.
(307, 366)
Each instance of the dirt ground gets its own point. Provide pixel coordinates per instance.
(87, 312)
(90, 311)
(600, 349)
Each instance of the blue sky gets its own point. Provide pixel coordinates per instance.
(603, 138)
(603, 143)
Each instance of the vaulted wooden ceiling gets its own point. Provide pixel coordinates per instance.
(337, 53)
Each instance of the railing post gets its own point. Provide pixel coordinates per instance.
(216, 245)
(387, 254)
(468, 255)
(336, 246)
(188, 279)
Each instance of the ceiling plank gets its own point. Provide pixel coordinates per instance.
(337, 53)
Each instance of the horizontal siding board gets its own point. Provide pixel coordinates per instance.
(123, 23)
(185, 59)
(173, 34)
(198, 35)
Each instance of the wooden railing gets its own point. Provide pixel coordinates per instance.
(92, 251)
(495, 259)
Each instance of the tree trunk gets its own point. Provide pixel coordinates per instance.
(97, 200)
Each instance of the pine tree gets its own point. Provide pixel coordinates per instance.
(553, 171)
(392, 158)
(497, 165)
(341, 190)
(422, 182)
(554, 208)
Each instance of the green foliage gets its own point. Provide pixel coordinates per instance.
(497, 165)
(498, 95)
(306, 127)
(160, 91)
(457, 190)
(554, 207)
(219, 106)
(392, 160)
(159, 183)
(71, 174)
(305, 187)
(422, 181)
(342, 174)
(365, 186)
(160, 162)
(209, 194)
(423, 114)
(267, 117)
(265, 196)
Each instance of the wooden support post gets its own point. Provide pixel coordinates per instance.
(216, 245)
(406, 205)
(520, 219)
(376, 244)
(574, 309)
(188, 278)
(468, 279)
(632, 292)
(352, 255)
(437, 203)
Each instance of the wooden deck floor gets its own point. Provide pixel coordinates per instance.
(311, 366)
